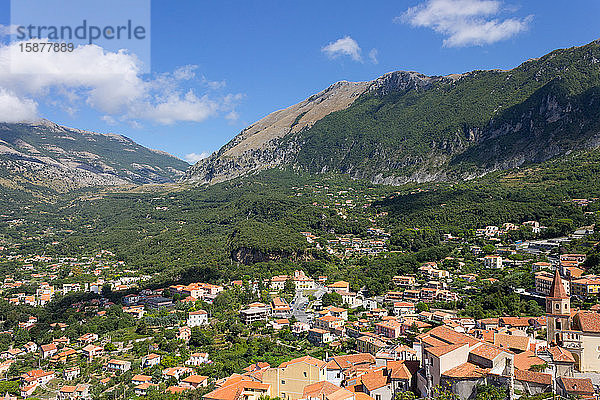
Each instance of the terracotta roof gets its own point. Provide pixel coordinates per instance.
(344, 362)
(145, 385)
(587, 321)
(372, 340)
(256, 305)
(398, 370)
(339, 284)
(176, 389)
(258, 365)
(466, 371)
(439, 351)
(487, 351)
(557, 290)
(524, 361)
(534, 377)
(307, 359)
(195, 379)
(574, 271)
(515, 321)
(391, 323)
(232, 387)
(431, 341)
(326, 390)
(486, 335)
(577, 385)
(91, 347)
(374, 380)
(450, 336)
(514, 342)
(362, 396)
(404, 304)
(68, 389)
(561, 355)
(48, 347)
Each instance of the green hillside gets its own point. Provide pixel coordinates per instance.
(252, 226)
(482, 121)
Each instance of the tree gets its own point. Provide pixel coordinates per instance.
(142, 328)
(489, 249)
(106, 290)
(289, 287)
(11, 387)
(405, 396)
(331, 299)
(443, 393)
(21, 336)
(489, 392)
(200, 337)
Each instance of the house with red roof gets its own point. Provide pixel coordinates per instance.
(239, 387)
(326, 391)
(291, 377)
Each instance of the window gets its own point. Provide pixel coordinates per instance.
(558, 306)
(377, 397)
(282, 382)
(305, 374)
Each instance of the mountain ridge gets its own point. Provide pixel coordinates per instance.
(46, 154)
(408, 127)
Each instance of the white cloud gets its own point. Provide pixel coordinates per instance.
(109, 120)
(345, 46)
(373, 56)
(193, 158)
(15, 109)
(188, 108)
(214, 85)
(232, 116)
(109, 82)
(185, 73)
(465, 22)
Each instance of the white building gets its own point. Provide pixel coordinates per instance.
(197, 318)
(492, 261)
(197, 359)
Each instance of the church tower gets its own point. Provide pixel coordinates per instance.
(558, 310)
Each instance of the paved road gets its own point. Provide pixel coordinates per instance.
(301, 302)
(299, 307)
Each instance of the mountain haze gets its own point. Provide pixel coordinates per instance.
(405, 126)
(48, 155)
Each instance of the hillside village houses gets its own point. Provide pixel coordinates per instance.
(401, 340)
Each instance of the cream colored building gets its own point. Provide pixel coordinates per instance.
(290, 378)
(578, 333)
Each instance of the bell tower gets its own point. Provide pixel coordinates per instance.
(558, 311)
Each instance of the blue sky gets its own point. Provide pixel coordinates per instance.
(220, 66)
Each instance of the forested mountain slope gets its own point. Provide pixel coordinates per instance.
(405, 126)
